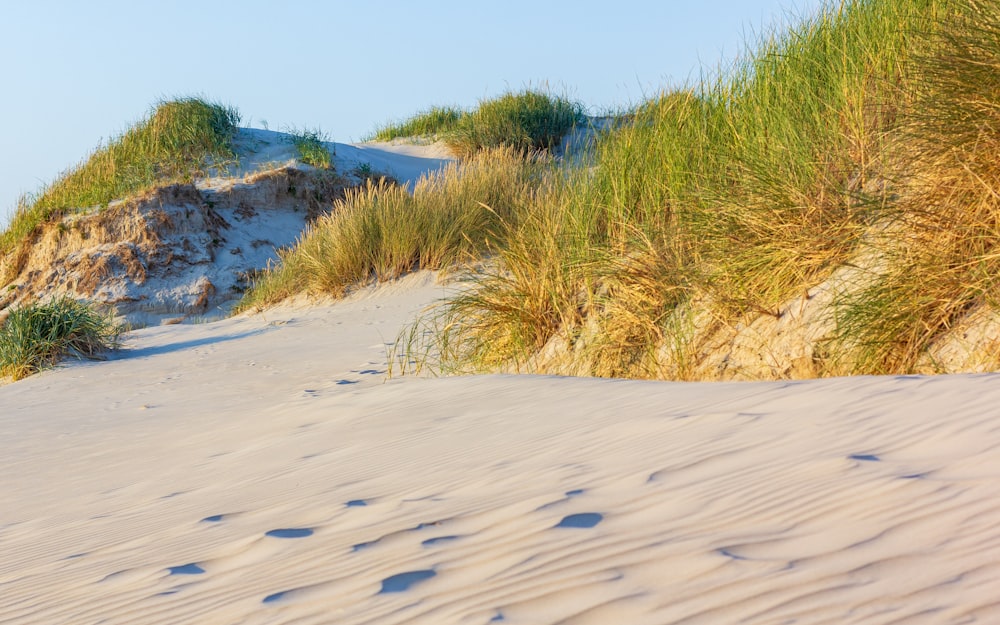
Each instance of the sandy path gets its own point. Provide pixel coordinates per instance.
(143, 489)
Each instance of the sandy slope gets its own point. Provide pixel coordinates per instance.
(142, 490)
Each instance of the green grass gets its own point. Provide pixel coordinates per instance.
(311, 146)
(869, 131)
(37, 336)
(432, 123)
(529, 120)
(380, 231)
(735, 194)
(177, 142)
(943, 253)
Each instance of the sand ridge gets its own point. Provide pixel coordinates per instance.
(261, 470)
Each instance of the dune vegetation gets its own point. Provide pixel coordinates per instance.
(848, 160)
(826, 205)
(433, 123)
(311, 147)
(178, 141)
(380, 230)
(527, 120)
(38, 335)
(720, 203)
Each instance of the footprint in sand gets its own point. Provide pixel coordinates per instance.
(356, 503)
(404, 581)
(393, 584)
(370, 543)
(186, 569)
(864, 457)
(290, 532)
(342, 382)
(584, 520)
(275, 597)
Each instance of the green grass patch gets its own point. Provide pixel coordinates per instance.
(37, 336)
(381, 231)
(433, 123)
(311, 146)
(526, 121)
(177, 142)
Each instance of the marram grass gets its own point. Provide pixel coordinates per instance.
(433, 123)
(178, 141)
(311, 146)
(380, 230)
(527, 120)
(38, 335)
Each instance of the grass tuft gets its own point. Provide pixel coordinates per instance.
(526, 121)
(433, 123)
(311, 145)
(38, 335)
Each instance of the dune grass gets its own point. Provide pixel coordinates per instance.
(311, 146)
(433, 123)
(741, 192)
(380, 231)
(38, 335)
(527, 120)
(943, 256)
(178, 140)
(867, 131)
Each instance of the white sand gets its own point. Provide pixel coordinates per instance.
(719, 503)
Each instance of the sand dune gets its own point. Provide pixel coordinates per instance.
(260, 470)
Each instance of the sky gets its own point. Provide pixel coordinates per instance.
(78, 73)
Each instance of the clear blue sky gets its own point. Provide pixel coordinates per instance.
(75, 73)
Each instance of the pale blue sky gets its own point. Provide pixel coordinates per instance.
(75, 73)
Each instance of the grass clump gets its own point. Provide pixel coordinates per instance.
(735, 195)
(943, 252)
(38, 335)
(177, 142)
(311, 146)
(380, 231)
(526, 121)
(434, 122)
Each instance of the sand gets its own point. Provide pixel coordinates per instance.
(261, 469)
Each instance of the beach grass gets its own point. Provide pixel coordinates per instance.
(38, 335)
(528, 120)
(178, 141)
(311, 146)
(725, 199)
(432, 123)
(741, 191)
(380, 230)
(864, 134)
(942, 256)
